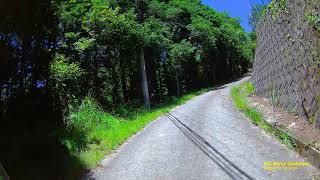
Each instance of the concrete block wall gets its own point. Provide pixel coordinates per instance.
(287, 59)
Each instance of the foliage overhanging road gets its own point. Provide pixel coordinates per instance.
(203, 139)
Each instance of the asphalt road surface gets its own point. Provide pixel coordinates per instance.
(206, 138)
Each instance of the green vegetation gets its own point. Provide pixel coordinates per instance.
(93, 133)
(313, 18)
(129, 56)
(177, 46)
(240, 96)
(276, 7)
(316, 56)
(66, 79)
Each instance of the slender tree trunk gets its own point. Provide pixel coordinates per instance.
(133, 82)
(124, 79)
(214, 73)
(178, 84)
(160, 85)
(115, 95)
(95, 67)
(144, 80)
(116, 77)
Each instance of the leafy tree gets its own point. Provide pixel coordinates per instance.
(54, 52)
(66, 78)
(179, 54)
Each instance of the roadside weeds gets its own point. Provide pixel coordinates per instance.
(240, 95)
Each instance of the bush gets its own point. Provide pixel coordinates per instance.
(239, 102)
(65, 78)
(247, 88)
(105, 88)
(82, 122)
(313, 19)
(87, 116)
(129, 110)
(62, 71)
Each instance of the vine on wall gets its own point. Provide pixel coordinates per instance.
(313, 18)
(276, 7)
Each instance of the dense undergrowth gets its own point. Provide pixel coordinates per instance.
(240, 96)
(92, 133)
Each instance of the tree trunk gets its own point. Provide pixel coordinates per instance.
(160, 85)
(214, 73)
(95, 67)
(144, 81)
(124, 79)
(115, 86)
(178, 84)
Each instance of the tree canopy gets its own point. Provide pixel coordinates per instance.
(53, 53)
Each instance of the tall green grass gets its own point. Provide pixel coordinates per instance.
(94, 133)
(240, 96)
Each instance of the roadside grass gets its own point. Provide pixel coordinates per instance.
(240, 96)
(98, 132)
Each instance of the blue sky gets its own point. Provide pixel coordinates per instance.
(235, 8)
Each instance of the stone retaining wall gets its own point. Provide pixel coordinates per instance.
(287, 60)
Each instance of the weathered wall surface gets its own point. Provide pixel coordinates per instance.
(287, 61)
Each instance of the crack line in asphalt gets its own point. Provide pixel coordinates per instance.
(227, 166)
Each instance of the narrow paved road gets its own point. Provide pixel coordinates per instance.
(207, 138)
